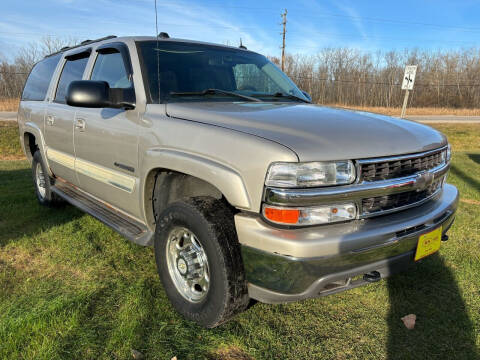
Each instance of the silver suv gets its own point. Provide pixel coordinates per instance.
(246, 190)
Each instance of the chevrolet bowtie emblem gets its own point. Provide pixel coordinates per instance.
(424, 180)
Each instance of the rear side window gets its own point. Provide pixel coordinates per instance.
(37, 83)
(72, 70)
(110, 67)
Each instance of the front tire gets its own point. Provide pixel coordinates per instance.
(43, 182)
(199, 261)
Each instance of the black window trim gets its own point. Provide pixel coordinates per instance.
(146, 80)
(121, 48)
(83, 53)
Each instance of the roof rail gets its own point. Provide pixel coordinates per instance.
(85, 42)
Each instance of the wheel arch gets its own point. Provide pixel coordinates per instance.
(187, 175)
(32, 139)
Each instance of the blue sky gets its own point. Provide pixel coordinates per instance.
(312, 24)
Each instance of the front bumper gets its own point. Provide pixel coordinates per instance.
(284, 265)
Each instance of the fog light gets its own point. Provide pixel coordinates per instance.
(310, 215)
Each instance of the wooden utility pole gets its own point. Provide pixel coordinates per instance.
(284, 23)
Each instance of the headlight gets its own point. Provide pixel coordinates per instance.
(446, 154)
(316, 215)
(311, 174)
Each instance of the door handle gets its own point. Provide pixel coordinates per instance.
(80, 124)
(50, 120)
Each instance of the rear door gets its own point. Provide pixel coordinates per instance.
(106, 140)
(59, 119)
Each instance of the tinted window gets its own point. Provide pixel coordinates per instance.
(37, 83)
(193, 68)
(72, 70)
(111, 68)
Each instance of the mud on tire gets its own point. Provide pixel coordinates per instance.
(212, 223)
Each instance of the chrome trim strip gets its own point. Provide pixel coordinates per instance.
(401, 157)
(315, 196)
(108, 176)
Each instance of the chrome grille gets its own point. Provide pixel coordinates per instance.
(394, 202)
(401, 166)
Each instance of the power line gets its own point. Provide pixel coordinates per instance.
(352, 36)
(378, 83)
(317, 14)
(331, 80)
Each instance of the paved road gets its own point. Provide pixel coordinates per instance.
(444, 119)
(8, 116)
(11, 115)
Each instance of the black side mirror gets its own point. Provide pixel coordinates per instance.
(307, 95)
(97, 94)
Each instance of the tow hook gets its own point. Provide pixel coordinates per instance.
(372, 276)
(444, 237)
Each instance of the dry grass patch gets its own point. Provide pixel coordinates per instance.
(9, 104)
(393, 111)
(470, 201)
(230, 353)
(36, 263)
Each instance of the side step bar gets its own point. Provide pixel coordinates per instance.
(130, 228)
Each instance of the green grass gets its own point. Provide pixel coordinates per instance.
(70, 288)
(9, 141)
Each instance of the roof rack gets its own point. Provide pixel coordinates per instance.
(85, 42)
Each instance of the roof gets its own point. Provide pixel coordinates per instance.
(141, 38)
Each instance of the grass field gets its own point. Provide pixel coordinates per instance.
(392, 111)
(71, 288)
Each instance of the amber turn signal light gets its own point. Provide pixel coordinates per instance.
(285, 216)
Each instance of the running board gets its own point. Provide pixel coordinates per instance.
(130, 228)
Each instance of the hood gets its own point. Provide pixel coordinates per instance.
(316, 133)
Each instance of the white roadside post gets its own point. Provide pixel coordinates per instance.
(407, 85)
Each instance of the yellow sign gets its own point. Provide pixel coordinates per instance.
(428, 243)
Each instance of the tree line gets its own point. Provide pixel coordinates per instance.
(345, 76)
(449, 78)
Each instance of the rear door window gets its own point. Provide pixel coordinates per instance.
(110, 67)
(72, 70)
(39, 79)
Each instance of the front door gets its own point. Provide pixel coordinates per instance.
(59, 120)
(106, 140)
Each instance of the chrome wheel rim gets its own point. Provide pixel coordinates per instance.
(187, 264)
(40, 180)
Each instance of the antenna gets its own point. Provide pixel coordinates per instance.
(157, 50)
(241, 46)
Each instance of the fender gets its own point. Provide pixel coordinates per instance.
(226, 179)
(33, 128)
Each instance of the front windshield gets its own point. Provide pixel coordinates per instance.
(194, 68)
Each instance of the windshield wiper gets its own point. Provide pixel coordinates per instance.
(287, 96)
(213, 92)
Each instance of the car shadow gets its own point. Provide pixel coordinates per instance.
(21, 214)
(474, 157)
(474, 183)
(443, 328)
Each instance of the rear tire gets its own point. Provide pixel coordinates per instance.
(43, 182)
(218, 290)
